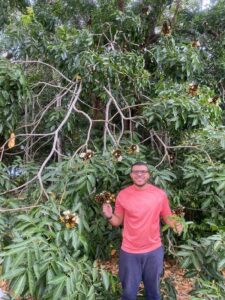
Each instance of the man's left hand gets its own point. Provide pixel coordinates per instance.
(178, 228)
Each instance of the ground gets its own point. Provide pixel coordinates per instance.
(183, 285)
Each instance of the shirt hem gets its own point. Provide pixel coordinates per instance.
(128, 250)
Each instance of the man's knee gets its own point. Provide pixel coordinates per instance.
(129, 294)
(154, 295)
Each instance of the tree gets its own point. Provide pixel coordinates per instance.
(99, 85)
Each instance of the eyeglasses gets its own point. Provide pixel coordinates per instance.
(139, 172)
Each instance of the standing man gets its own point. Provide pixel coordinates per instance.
(139, 208)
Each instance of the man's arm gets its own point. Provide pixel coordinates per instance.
(169, 218)
(114, 220)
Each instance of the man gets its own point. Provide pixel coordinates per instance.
(139, 208)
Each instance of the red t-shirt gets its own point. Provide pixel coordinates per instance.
(142, 210)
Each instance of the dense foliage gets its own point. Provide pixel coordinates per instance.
(86, 89)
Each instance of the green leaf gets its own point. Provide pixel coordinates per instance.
(105, 278)
(195, 262)
(36, 268)
(49, 275)
(66, 268)
(7, 263)
(59, 290)
(12, 252)
(221, 186)
(70, 285)
(187, 247)
(91, 292)
(221, 264)
(31, 282)
(191, 274)
(19, 259)
(57, 280)
(19, 286)
(183, 253)
(13, 273)
(91, 179)
(94, 274)
(75, 241)
(89, 187)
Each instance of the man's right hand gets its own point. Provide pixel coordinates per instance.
(107, 210)
(114, 220)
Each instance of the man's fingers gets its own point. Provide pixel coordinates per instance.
(107, 210)
(106, 205)
(179, 228)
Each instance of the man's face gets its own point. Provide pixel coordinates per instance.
(140, 175)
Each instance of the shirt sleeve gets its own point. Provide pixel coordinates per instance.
(165, 211)
(119, 210)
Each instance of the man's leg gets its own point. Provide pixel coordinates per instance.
(130, 274)
(152, 270)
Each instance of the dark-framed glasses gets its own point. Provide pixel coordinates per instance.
(139, 172)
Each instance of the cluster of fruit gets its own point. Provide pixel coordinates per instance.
(69, 219)
(179, 211)
(133, 149)
(105, 197)
(116, 153)
(87, 155)
(193, 89)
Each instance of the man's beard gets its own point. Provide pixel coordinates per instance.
(141, 185)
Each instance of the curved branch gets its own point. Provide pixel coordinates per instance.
(42, 63)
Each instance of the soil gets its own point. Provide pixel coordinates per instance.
(182, 285)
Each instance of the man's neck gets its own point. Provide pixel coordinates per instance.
(141, 187)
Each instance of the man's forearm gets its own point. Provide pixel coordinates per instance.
(115, 220)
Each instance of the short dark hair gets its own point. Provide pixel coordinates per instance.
(139, 163)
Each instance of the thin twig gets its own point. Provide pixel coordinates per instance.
(3, 210)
